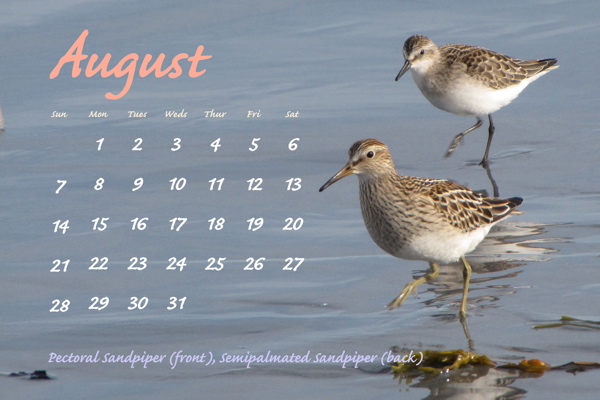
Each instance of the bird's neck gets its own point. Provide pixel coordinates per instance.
(379, 178)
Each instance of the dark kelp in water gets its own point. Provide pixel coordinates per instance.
(569, 321)
(37, 374)
(434, 362)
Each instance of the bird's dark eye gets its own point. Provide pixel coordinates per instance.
(422, 52)
(370, 154)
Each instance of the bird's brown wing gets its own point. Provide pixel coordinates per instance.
(463, 208)
(493, 69)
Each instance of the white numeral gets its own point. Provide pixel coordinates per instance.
(58, 263)
(293, 224)
(176, 144)
(174, 263)
(60, 306)
(173, 303)
(62, 184)
(216, 144)
(293, 145)
(99, 264)
(178, 183)
(99, 184)
(142, 261)
(255, 224)
(254, 183)
(216, 224)
(138, 145)
(215, 180)
(254, 265)
(290, 261)
(100, 224)
(294, 184)
(96, 300)
(139, 182)
(138, 304)
(215, 264)
(139, 223)
(179, 220)
(254, 144)
(61, 225)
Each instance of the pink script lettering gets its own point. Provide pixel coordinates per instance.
(127, 66)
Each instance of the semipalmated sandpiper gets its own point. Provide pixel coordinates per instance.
(469, 80)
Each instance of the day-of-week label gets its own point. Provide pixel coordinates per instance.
(214, 114)
(98, 114)
(176, 114)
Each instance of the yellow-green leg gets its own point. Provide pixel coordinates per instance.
(397, 302)
(467, 277)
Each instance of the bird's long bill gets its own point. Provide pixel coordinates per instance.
(405, 68)
(344, 172)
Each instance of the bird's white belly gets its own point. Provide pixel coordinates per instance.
(466, 97)
(443, 247)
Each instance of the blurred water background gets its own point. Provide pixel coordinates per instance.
(334, 63)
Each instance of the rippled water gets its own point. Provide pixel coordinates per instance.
(335, 63)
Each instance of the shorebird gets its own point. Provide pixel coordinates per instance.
(469, 80)
(433, 220)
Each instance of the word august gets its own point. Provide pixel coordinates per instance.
(127, 66)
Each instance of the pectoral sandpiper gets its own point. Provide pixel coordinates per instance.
(434, 220)
(469, 80)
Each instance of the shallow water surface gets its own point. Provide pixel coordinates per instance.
(228, 287)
